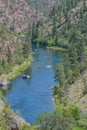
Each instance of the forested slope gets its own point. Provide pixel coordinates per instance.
(15, 33)
(10, 44)
(65, 27)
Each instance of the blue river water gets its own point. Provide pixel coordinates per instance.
(34, 96)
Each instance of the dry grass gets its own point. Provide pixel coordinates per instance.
(75, 94)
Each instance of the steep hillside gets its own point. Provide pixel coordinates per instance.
(10, 44)
(69, 30)
(77, 93)
(42, 6)
(16, 20)
(59, 21)
(15, 33)
(8, 40)
(16, 15)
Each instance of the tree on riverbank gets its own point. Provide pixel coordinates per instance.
(62, 119)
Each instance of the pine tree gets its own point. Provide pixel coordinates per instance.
(73, 61)
(60, 75)
(9, 55)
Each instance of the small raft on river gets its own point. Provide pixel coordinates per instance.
(26, 77)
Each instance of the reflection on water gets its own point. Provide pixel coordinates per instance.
(34, 96)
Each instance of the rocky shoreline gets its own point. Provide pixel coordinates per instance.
(13, 118)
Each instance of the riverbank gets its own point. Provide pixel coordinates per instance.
(74, 96)
(25, 89)
(17, 70)
(56, 48)
(16, 120)
(12, 119)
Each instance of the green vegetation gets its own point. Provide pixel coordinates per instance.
(57, 49)
(8, 120)
(15, 57)
(14, 49)
(17, 70)
(28, 127)
(6, 115)
(69, 32)
(63, 119)
(60, 75)
(66, 30)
